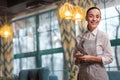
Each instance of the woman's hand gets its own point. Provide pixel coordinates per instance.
(86, 58)
(89, 58)
(77, 57)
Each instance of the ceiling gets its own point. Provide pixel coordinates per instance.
(12, 7)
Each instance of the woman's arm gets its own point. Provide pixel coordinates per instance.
(89, 58)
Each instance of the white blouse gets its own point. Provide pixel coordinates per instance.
(103, 44)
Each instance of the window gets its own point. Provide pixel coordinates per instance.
(49, 32)
(24, 35)
(37, 43)
(110, 24)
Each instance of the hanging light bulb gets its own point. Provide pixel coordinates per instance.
(6, 31)
(79, 13)
(66, 11)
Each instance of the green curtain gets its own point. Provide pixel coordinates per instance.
(6, 58)
(67, 29)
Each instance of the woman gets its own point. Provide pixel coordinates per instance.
(93, 49)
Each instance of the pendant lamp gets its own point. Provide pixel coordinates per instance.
(78, 14)
(6, 31)
(5, 27)
(66, 11)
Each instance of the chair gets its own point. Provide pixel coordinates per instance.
(35, 74)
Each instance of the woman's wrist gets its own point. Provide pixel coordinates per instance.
(96, 59)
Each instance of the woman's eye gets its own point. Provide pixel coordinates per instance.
(97, 16)
(90, 16)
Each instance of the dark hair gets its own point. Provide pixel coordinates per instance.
(93, 8)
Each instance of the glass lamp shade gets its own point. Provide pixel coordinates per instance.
(6, 31)
(66, 11)
(79, 13)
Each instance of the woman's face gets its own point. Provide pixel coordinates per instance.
(93, 18)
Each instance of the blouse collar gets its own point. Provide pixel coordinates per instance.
(94, 32)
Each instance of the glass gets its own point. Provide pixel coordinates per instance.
(16, 68)
(54, 20)
(24, 63)
(55, 64)
(110, 24)
(107, 4)
(56, 39)
(45, 41)
(28, 63)
(114, 66)
(24, 39)
(112, 11)
(49, 33)
(113, 28)
(44, 22)
(102, 26)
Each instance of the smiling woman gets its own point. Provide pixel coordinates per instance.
(99, 53)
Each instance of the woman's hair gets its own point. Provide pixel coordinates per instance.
(91, 9)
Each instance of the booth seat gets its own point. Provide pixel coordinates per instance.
(114, 75)
(34, 74)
